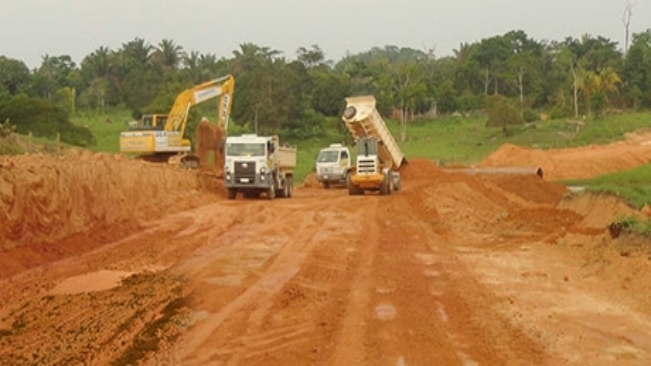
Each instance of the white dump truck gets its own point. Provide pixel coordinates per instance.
(333, 164)
(258, 164)
(379, 158)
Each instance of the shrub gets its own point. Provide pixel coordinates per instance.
(44, 119)
(502, 113)
(6, 128)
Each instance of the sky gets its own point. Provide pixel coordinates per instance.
(30, 29)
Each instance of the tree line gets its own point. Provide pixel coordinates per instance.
(575, 77)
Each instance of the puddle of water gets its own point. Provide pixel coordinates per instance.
(385, 312)
(90, 282)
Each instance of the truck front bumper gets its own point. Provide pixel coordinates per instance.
(257, 182)
(367, 181)
(331, 177)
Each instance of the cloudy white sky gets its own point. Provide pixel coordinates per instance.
(30, 29)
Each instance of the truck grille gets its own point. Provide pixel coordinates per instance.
(366, 166)
(244, 169)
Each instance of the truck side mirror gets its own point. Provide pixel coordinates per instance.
(270, 147)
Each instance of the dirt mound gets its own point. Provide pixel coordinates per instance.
(210, 139)
(310, 181)
(420, 168)
(574, 163)
(599, 210)
(530, 187)
(91, 198)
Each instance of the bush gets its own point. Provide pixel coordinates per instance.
(530, 115)
(502, 113)
(44, 119)
(6, 128)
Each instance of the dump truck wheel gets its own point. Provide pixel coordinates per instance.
(349, 184)
(286, 188)
(232, 193)
(326, 185)
(271, 192)
(282, 192)
(290, 187)
(384, 186)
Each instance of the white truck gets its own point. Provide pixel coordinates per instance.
(332, 165)
(379, 158)
(256, 164)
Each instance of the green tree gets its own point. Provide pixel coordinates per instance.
(52, 75)
(169, 55)
(502, 113)
(14, 75)
(636, 74)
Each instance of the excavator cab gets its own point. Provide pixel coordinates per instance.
(150, 122)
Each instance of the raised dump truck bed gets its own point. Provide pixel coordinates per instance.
(363, 120)
(378, 158)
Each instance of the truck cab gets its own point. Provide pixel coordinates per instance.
(332, 165)
(258, 164)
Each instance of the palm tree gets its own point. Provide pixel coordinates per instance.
(138, 51)
(99, 64)
(588, 83)
(608, 80)
(98, 61)
(191, 66)
(252, 56)
(168, 54)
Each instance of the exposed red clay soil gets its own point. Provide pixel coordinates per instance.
(105, 260)
(564, 163)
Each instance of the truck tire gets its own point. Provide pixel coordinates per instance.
(286, 187)
(271, 192)
(290, 187)
(326, 185)
(282, 192)
(232, 193)
(384, 186)
(353, 190)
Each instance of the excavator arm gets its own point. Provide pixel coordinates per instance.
(221, 87)
(157, 144)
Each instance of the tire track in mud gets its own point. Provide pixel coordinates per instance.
(244, 277)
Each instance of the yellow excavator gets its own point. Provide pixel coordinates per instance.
(159, 137)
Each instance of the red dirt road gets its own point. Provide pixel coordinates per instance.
(452, 270)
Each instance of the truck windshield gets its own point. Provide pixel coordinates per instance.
(328, 156)
(245, 149)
